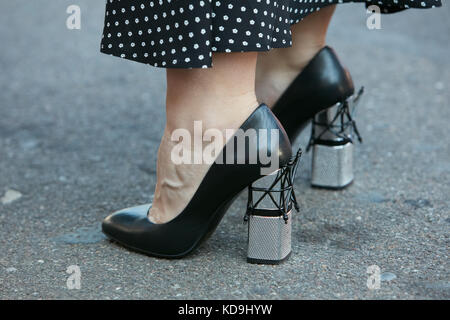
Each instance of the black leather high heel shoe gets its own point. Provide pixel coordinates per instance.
(222, 183)
(324, 93)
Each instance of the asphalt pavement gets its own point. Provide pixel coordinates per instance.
(79, 132)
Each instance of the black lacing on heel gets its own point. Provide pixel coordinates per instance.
(285, 177)
(342, 121)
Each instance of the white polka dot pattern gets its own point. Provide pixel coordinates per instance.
(185, 33)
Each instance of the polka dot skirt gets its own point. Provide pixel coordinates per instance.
(185, 33)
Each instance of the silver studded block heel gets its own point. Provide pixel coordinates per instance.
(269, 215)
(332, 144)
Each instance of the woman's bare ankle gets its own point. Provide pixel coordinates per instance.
(177, 183)
(277, 69)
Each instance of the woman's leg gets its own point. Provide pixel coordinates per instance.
(222, 98)
(277, 68)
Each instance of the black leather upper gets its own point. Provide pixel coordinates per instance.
(203, 213)
(322, 83)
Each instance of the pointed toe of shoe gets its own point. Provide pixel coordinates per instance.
(122, 224)
(131, 228)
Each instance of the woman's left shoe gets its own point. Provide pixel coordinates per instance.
(224, 180)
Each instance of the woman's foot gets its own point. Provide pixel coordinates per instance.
(219, 98)
(217, 190)
(177, 183)
(277, 68)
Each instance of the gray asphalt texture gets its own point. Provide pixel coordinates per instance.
(78, 138)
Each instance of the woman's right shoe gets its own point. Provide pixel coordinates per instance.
(221, 184)
(324, 94)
